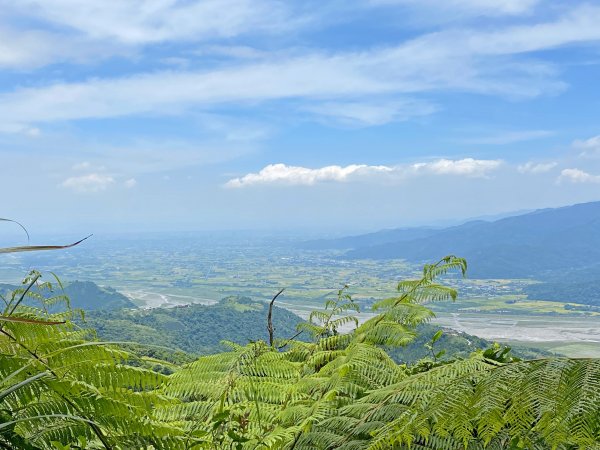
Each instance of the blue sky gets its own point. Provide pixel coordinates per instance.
(262, 114)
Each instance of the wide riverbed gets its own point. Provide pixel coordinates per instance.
(569, 335)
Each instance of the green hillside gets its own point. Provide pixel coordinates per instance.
(84, 295)
(195, 329)
(584, 290)
(89, 296)
(454, 344)
(199, 329)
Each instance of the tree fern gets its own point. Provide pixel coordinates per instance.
(59, 385)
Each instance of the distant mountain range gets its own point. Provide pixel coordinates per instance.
(539, 244)
(371, 239)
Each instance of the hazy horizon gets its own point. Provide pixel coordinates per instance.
(12, 234)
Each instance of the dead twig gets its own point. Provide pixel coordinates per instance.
(270, 327)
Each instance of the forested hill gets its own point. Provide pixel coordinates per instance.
(583, 292)
(90, 296)
(195, 328)
(85, 295)
(537, 244)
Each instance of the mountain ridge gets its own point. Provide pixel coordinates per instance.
(540, 243)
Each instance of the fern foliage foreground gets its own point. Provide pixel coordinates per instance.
(61, 388)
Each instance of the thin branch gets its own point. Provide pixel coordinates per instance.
(290, 339)
(270, 327)
(12, 310)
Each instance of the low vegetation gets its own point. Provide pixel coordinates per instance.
(64, 389)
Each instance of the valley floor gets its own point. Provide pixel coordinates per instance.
(173, 271)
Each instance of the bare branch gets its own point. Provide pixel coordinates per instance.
(287, 342)
(270, 327)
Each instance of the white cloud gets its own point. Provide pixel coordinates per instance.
(369, 113)
(176, 61)
(29, 49)
(93, 182)
(146, 21)
(86, 31)
(494, 6)
(457, 60)
(232, 51)
(170, 92)
(509, 137)
(132, 158)
(449, 10)
(578, 176)
(535, 168)
(141, 157)
(574, 25)
(467, 167)
(579, 25)
(130, 183)
(85, 165)
(295, 175)
(282, 173)
(19, 48)
(588, 147)
(18, 128)
(310, 77)
(233, 129)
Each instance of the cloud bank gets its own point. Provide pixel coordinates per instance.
(588, 147)
(578, 176)
(466, 167)
(93, 182)
(296, 175)
(535, 168)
